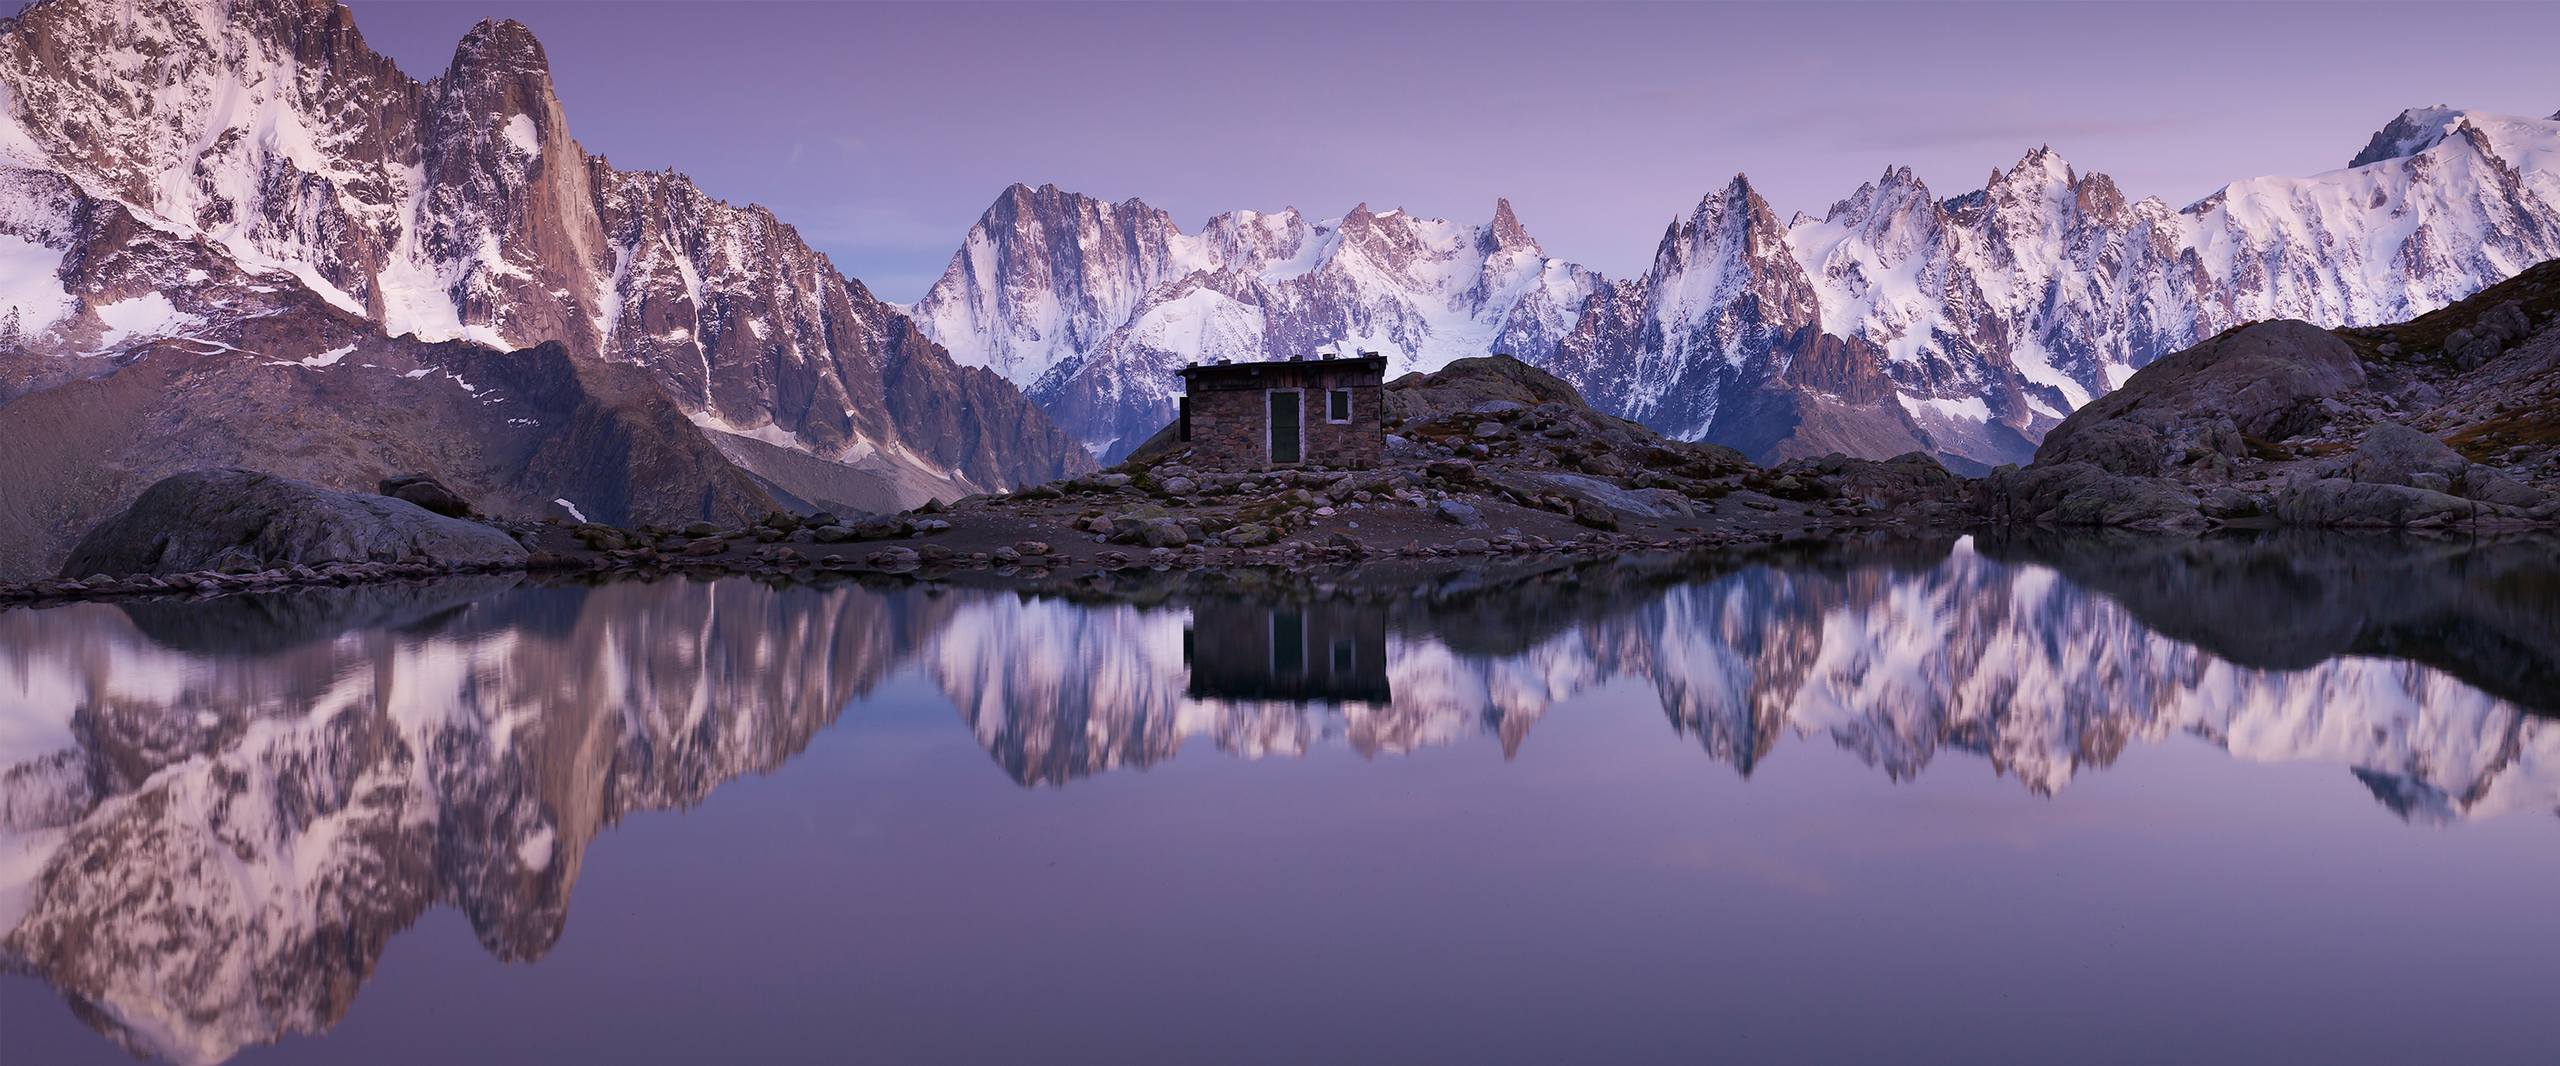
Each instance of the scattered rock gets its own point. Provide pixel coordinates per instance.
(1459, 513)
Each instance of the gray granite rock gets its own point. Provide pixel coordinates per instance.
(249, 521)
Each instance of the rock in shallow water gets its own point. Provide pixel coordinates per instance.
(2082, 494)
(196, 520)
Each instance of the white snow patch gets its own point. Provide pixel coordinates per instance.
(1970, 408)
(29, 284)
(328, 358)
(2036, 365)
(768, 432)
(574, 513)
(534, 851)
(520, 133)
(148, 315)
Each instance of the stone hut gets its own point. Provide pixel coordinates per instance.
(1324, 411)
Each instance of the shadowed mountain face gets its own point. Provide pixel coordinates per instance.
(217, 814)
(233, 234)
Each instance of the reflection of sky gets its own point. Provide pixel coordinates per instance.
(1605, 896)
(882, 131)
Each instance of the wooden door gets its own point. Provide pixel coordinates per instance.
(1286, 435)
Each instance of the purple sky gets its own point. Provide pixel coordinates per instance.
(883, 131)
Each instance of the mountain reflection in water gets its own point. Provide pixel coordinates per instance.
(213, 816)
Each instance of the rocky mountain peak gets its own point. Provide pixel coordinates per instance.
(2043, 167)
(1506, 230)
(498, 47)
(2408, 133)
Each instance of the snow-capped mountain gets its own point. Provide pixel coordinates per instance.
(1091, 306)
(1899, 319)
(277, 152)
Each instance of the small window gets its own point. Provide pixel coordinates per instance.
(1337, 405)
(1342, 659)
(1184, 406)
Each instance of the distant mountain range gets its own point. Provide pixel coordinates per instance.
(233, 234)
(230, 232)
(1898, 320)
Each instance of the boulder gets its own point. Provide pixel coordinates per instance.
(2488, 484)
(1451, 469)
(2344, 503)
(1466, 384)
(2118, 446)
(427, 492)
(2395, 455)
(1459, 513)
(2264, 380)
(206, 519)
(2082, 494)
(880, 527)
(2225, 502)
(2487, 336)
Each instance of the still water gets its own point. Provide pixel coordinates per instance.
(1956, 801)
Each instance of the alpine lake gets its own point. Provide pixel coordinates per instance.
(1936, 800)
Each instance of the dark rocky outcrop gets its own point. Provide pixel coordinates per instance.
(533, 426)
(2264, 380)
(2452, 419)
(427, 492)
(241, 521)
